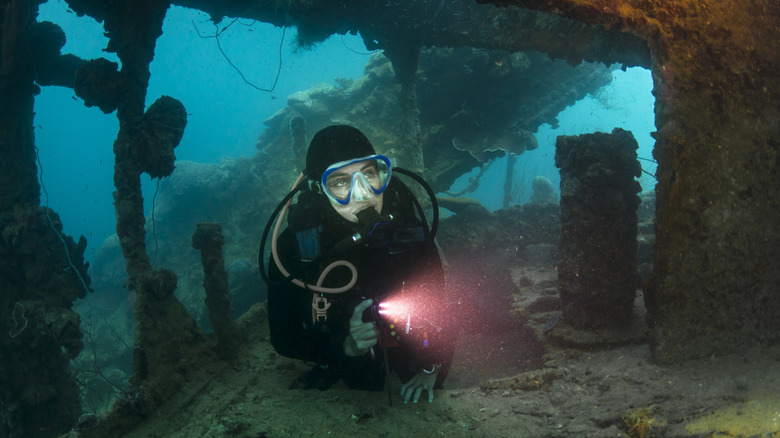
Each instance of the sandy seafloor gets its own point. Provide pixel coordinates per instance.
(583, 392)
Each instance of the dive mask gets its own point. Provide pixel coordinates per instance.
(357, 179)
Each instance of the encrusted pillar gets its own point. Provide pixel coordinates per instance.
(597, 270)
(405, 55)
(39, 333)
(42, 270)
(299, 143)
(509, 180)
(18, 172)
(208, 240)
(166, 336)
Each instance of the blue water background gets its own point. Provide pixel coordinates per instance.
(225, 115)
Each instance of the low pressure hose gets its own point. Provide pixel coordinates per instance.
(275, 254)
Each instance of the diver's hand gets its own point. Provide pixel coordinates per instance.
(362, 335)
(415, 386)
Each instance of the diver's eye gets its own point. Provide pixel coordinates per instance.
(339, 187)
(341, 182)
(369, 174)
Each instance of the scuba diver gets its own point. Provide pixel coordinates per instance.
(355, 282)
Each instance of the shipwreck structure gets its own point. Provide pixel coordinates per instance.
(597, 267)
(714, 284)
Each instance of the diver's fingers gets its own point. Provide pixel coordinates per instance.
(430, 395)
(364, 332)
(366, 340)
(365, 345)
(406, 392)
(418, 392)
(357, 314)
(364, 329)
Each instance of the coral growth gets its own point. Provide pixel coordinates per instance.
(543, 191)
(164, 124)
(644, 423)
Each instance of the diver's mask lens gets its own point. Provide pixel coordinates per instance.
(357, 179)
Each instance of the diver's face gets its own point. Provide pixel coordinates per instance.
(361, 197)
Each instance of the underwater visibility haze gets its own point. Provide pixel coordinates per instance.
(607, 189)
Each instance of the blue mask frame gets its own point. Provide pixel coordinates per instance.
(386, 174)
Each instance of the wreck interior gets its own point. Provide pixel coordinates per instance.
(184, 54)
(712, 289)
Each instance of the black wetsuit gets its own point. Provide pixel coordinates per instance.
(403, 261)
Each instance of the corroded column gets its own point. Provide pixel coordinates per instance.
(509, 180)
(597, 270)
(208, 240)
(165, 335)
(405, 56)
(18, 173)
(42, 270)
